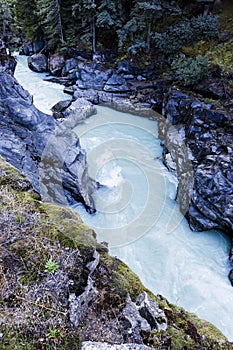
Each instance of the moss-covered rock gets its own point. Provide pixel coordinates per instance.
(34, 304)
(10, 176)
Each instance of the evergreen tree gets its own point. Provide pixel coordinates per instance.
(5, 18)
(110, 17)
(51, 17)
(84, 12)
(26, 17)
(141, 26)
(69, 23)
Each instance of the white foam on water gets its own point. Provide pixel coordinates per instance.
(45, 94)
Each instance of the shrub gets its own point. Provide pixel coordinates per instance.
(205, 27)
(190, 71)
(174, 38)
(138, 46)
(187, 33)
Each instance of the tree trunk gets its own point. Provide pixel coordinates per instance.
(93, 35)
(93, 29)
(148, 37)
(60, 21)
(3, 28)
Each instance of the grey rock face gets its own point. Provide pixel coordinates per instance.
(79, 304)
(209, 136)
(116, 83)
(38, 63)
(32, 47)
(78, 111)
(48, 153)
(105, 346)
(143, 315)
(96, 97)
(92, 76)
(104, 81)
(70, 67)
(150, 311)
(7, 63)
(230, 276)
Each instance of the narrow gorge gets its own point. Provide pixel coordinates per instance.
(175, 249)
(116, 187)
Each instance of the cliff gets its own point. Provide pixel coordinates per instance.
(60, 289)
(49, 153)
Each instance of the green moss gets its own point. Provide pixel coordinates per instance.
(222, 56)
(33, 257)
(183, 324)
(71, 342)
(122, 279)
(206, 329)
(28, 198)
(13, 339)
(10, 176)
(177, 337)
(125, 281)
(218, 52)
(155, 339)
(68, 226)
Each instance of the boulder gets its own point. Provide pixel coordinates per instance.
(49, 153)
(92, 76)
(96, 97)
(56, 64)
(116, 83)
(7, 63)
(38, 63)
(70, 68)
(78, 111)
(59, 108)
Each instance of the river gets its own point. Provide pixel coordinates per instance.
(136, 211)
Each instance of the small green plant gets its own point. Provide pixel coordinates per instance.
(190, 71)
(20, 219)
(51, 266)
(53, 333)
